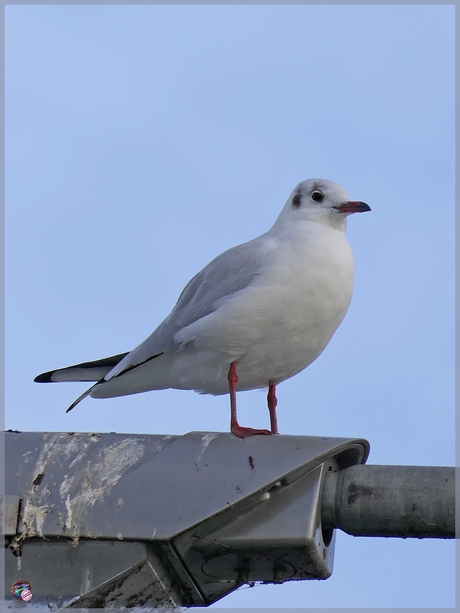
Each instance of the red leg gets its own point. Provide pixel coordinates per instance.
(235, 428)
(272, 402)
(232, 381)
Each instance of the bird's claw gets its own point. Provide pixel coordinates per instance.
(243, 432)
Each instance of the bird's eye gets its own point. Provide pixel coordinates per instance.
(317, 196)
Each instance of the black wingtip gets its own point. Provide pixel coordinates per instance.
(45, 377)
(80, 398)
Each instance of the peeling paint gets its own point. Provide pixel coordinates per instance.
(92, 477)
(26, 459)
(206, 439)
(15, 547)
(68, 520)
(89, 485)
(33, 519)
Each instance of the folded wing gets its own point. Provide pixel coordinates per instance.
(230, 272)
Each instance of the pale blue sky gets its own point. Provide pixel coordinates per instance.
(141, 141)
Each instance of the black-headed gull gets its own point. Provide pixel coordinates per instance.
(265, 309)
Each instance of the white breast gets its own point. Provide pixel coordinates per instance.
(281, 322)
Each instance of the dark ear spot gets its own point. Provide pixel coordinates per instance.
(296, 199)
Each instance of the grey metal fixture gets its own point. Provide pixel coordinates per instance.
(123, 520)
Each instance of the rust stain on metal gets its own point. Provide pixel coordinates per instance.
(359, 491)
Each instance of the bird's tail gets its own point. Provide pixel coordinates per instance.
(86, 371)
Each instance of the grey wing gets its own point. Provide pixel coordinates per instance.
(228, 273)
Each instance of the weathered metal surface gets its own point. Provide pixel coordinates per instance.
(9, 512)
(398, 501)
(211, 511)
(129, 486)
(91, 574)
(159, 522)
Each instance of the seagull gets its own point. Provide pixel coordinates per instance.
(255, 316)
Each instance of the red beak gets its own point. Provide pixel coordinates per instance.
(353, 206)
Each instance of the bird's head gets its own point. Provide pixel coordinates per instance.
(323, 201)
